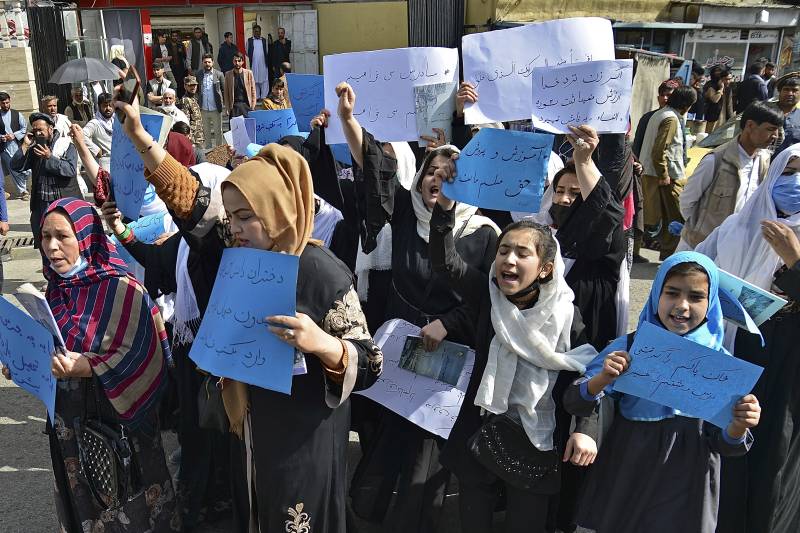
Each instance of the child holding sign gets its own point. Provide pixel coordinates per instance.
(664, 466)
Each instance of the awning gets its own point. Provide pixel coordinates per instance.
(658, 25)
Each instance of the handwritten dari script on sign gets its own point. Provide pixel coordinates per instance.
(233, 340)
(678, 373)
(500, 169)
(383, 81)
(127, 167)
(306, 94)
(272, 126)
(26, 349)
(431, 404)
(596, 93)
(500, 63)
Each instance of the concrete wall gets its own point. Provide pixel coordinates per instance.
(534, 10)
(17, 79)
(361, 26)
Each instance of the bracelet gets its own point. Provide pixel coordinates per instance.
(125, 239)
(124, 234)
(144, 150)
(345, 357)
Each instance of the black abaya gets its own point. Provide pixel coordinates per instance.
(761, 491)
(402, 453)
(594, 238)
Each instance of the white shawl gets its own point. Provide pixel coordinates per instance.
(529, 348)
(738, 247)
(467, 222)
(622, 296)
(325, 220)
(186, 319)
(381, 257)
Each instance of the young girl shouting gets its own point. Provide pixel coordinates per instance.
(658, 470)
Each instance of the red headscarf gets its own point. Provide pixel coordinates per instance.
(106, 315)
(179, 147)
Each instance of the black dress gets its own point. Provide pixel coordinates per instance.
(402, 451)
(299, 441)
(653, 476)
(761, 491)
(203, 482)
(473, 284)
(593, 236)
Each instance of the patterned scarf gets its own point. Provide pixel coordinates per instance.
(106, 315)
(106, 123)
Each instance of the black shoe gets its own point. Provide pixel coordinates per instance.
(638, 259)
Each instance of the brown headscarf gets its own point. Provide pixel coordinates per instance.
(278, 186)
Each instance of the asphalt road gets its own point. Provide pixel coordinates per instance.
(26, 481)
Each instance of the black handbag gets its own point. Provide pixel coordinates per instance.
(210, 408)
(502, 447)
(107, 458)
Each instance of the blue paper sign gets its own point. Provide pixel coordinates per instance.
(341, 152)
(678, 373)
(148, 229)
(26, 349)
(127, 167)
(502, 170)
(234, 340)
(306, 92)
(271, 126)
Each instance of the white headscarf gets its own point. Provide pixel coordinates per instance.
(381, 257)
(738, 247)
(467, 222)
(406, 163)
(325, 220)
(528, 350)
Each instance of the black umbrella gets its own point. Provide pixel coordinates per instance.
(83, 70)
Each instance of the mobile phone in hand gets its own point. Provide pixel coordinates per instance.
(128, 92)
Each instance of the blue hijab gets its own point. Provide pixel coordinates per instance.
(710, 333)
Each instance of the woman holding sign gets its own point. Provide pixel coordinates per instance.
(111, 374)
(420, 296)
(658, 468)
(525, 322)
(587, 217)
(292, 470)
(759, 244)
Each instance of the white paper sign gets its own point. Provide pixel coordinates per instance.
(434, 105)
(383, 81)
(243, 132)
(597, 93)
(430, 404)
(500, 63)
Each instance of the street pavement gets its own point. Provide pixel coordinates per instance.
(26, 481)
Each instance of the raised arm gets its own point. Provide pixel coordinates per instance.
(584, 141)
(351, 127)
(88, 161)
(179, 188)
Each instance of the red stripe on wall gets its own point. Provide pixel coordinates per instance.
(144, 14)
